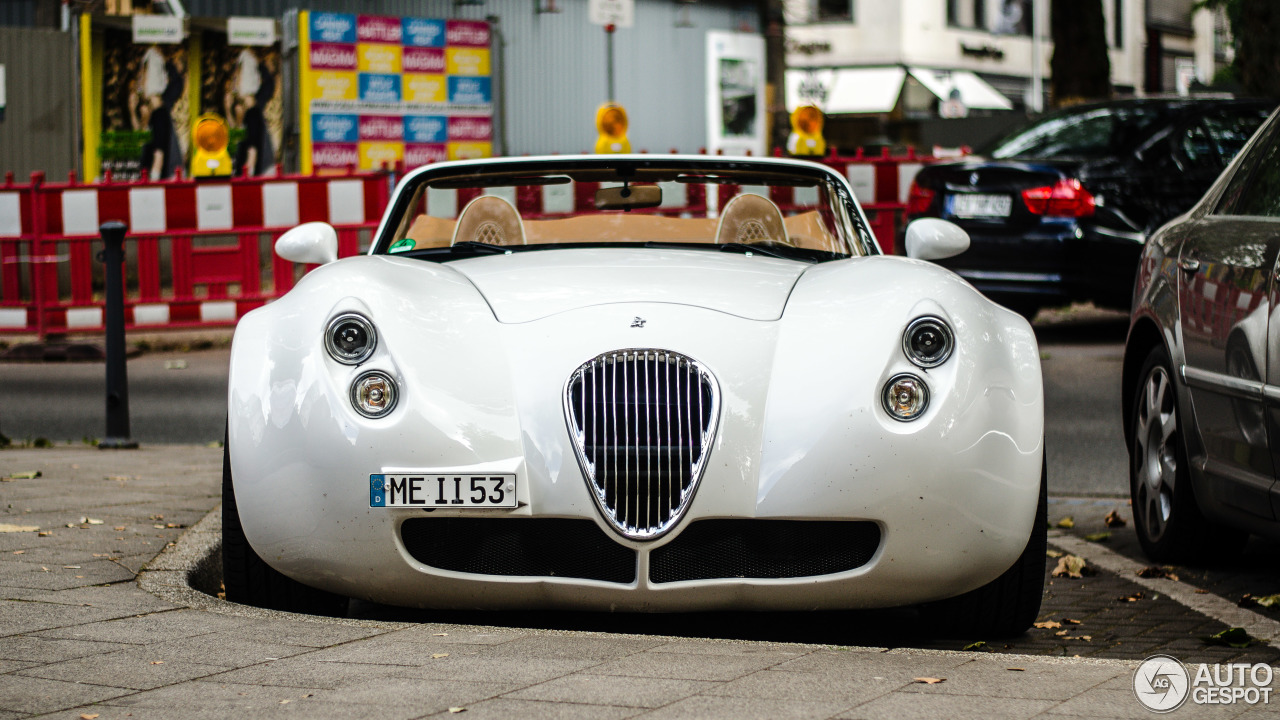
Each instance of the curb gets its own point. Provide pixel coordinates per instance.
(185, 571)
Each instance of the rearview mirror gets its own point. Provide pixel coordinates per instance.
(314, 243)
(629, 197)
(934, 239)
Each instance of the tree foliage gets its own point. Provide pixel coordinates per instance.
(1255, 32)
(1080, 66)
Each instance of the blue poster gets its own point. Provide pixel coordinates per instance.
(326, 127)
(421, 32)
(469, 90)
(425, 129)
(333, 28)
(376, 87)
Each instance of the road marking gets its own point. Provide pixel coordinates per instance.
(1207, 604)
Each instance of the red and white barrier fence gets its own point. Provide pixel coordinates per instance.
(199, 252)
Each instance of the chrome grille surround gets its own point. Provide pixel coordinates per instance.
(642, 423)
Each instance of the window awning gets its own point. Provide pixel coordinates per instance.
(844, 91)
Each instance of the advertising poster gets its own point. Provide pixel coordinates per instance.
(735, 96)
(379, 90)
(241, 84)
(145, 108)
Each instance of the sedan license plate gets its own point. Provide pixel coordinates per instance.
(455, 491)
(981, 206)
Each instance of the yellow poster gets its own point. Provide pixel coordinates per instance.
(373, 155)
(425, 88)
(466, 61)
(378, 58)
(334, 85)
(470, 150)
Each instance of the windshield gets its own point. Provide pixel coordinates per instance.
(488, 208)
(1085, 133)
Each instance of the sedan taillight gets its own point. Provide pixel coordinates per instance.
(1068, 198)
(918, 199)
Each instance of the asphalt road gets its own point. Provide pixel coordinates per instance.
(180, 397)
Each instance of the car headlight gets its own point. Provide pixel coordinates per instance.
(350, 338)
(928, 341)
(374, 394)
(905, 397)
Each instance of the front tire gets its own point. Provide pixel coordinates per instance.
(249, 580)
(1006, 606)
(1166, 516)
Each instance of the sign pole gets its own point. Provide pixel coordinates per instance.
(608, 44)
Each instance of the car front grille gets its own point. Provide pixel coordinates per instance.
(748, 548)
(537, 547)
(642, 422)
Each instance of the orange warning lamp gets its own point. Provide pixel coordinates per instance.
(211, 138)
(806, 132)
(611, 123)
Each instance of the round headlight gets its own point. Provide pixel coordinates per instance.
(928, 341)
(350, 339)
(905, 397)
(374, 394)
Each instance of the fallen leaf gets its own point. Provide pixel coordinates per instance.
(1231, 637)
(158, 527)
(1048, 625)
(1155, 571)
(1113, 520)
(284, 702)
(118, 528)
(456, 710)
(1098, 536)
(440, 635)
(1265, 601)
(88, 716)
(1054, 553)
(174, 525)
(975, 645)
(157, 662)
(1069, 566)
(156, 517)
(19, 552)
(92, 521)
(1062, 633)
(70, 567)
(1069, 621)
(929, 680)
(4, 528)
(1067, 523)
(1086, 638)
(25, 475)
(1201, 592)
(1015, 669)
(437, 656)
(1132, 598)
(45, 533)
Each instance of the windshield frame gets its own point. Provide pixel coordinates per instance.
(400, 211)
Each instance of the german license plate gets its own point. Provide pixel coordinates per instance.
(981, 206)
(456, 491)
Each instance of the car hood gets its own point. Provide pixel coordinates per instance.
(531, 285)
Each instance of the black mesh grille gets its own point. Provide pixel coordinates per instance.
(543, 547)
(710, 549)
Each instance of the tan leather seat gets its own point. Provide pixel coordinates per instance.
(489, 219)
(751, 219)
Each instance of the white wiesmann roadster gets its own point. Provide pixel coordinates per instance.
(635, 383)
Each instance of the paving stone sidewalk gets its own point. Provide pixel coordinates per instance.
(79, 638)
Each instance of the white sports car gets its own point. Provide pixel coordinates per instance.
(635, 383)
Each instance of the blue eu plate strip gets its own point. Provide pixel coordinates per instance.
(377, 494)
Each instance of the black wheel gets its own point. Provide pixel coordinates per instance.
(1007, 605)
(251, 581)
(1166, 516)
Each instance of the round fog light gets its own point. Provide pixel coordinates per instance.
(350, 339)
(906, 397)
(373, 394)
(928, 341)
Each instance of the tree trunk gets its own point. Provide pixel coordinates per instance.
(1080, 65)
(1258, 47)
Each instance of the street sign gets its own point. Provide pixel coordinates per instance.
(619, 13)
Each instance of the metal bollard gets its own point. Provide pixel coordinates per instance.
(117, 371)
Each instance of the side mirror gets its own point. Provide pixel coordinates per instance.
(314, 243)
(934, 239)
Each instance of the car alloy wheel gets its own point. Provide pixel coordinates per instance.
(1155, 456)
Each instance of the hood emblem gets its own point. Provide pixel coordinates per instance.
(973, 178)
(638, 322)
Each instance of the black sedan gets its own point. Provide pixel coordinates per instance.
(1058, 212)
(1201, 382)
